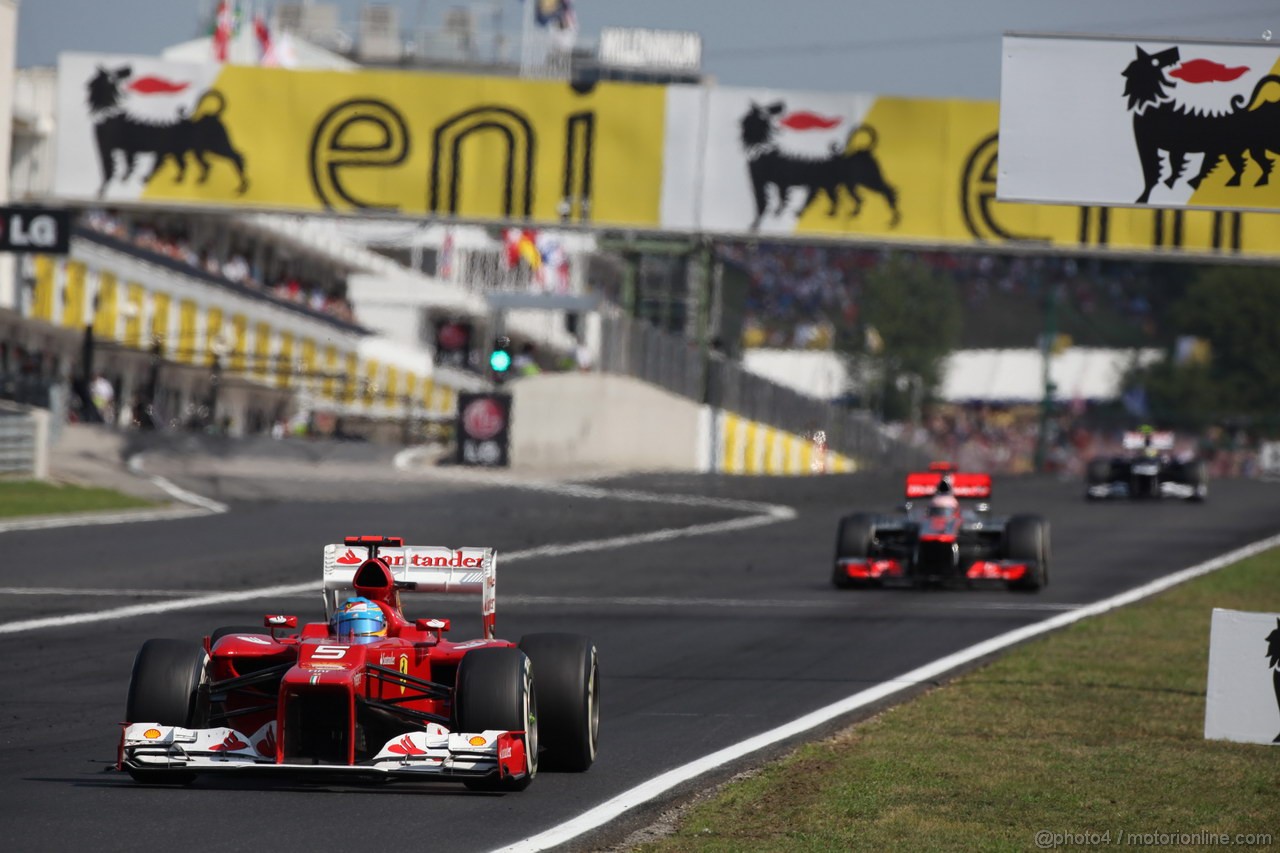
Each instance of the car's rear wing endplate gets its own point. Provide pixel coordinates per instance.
(423, 568)
(923, 484)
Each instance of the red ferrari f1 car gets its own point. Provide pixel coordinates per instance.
(368, 692)
(944, 533)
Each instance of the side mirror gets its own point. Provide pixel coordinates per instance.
(435, 626)
(279, 621)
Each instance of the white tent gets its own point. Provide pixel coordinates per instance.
(1016, 375)
(992, 375)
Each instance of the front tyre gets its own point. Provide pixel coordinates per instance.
(853, 541)
(1098, 473)
(1027, 539)
(567, 670)
(165, 688)
(1197, 477)
(495, 690)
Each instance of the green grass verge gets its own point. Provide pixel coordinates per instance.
(27, 497)
(1096, 728)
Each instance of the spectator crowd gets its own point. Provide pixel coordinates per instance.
(238, 263)
(800, 295)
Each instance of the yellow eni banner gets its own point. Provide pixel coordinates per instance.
(918, 171)
(737, 163)
(134, 129)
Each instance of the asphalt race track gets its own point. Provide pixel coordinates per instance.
(704, 640)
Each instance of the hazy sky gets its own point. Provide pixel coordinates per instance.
(919, 48)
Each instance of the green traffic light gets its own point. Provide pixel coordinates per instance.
(500, 360)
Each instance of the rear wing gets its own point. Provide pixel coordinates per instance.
(419, 568)
(1159, 440)
(923, 484)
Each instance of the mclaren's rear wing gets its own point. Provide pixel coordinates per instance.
(923, 484)
(420, 568)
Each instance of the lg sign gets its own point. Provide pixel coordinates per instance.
(483, 419)
(35, 229)
(483, 428)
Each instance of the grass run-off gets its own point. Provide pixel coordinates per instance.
(26, 497)
(1098, 728)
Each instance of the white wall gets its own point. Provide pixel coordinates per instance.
(595, 420)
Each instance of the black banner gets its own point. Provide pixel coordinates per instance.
(484, 429)
(35, 229)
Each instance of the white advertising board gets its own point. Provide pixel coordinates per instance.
(1139, 122)
(1243, 699)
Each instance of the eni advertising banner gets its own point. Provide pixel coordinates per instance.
(137, 129)
(880, 170)
(1138, 122)
(794, 163)
(731, 162)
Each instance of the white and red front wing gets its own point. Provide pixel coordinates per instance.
(433, 752)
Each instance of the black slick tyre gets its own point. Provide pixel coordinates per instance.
(853, 541)
(164, 688)
(1197, 477)
(1098, 473)
(567, 671)
(495, 690)
(1027, 538)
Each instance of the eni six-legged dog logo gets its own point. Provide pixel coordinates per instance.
(123, 138)
(1160, 123)
(850, 165)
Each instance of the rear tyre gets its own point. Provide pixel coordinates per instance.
(568, 707)
(164, 688)
(853, 540)
(1027, 538)
(494, 690)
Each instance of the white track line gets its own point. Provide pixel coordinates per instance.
(198, 505)
(646, 791)
(827, 602)
(134, 464)
(767, 514)
(122, 517)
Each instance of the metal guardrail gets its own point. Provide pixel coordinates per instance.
(19, 442)
(635, 348)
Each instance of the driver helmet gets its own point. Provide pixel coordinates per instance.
(1148, 450)
(359, 620)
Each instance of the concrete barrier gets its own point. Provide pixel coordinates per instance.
(617, 423)
(599, 420)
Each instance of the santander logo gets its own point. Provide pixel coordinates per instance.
(349, 559)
